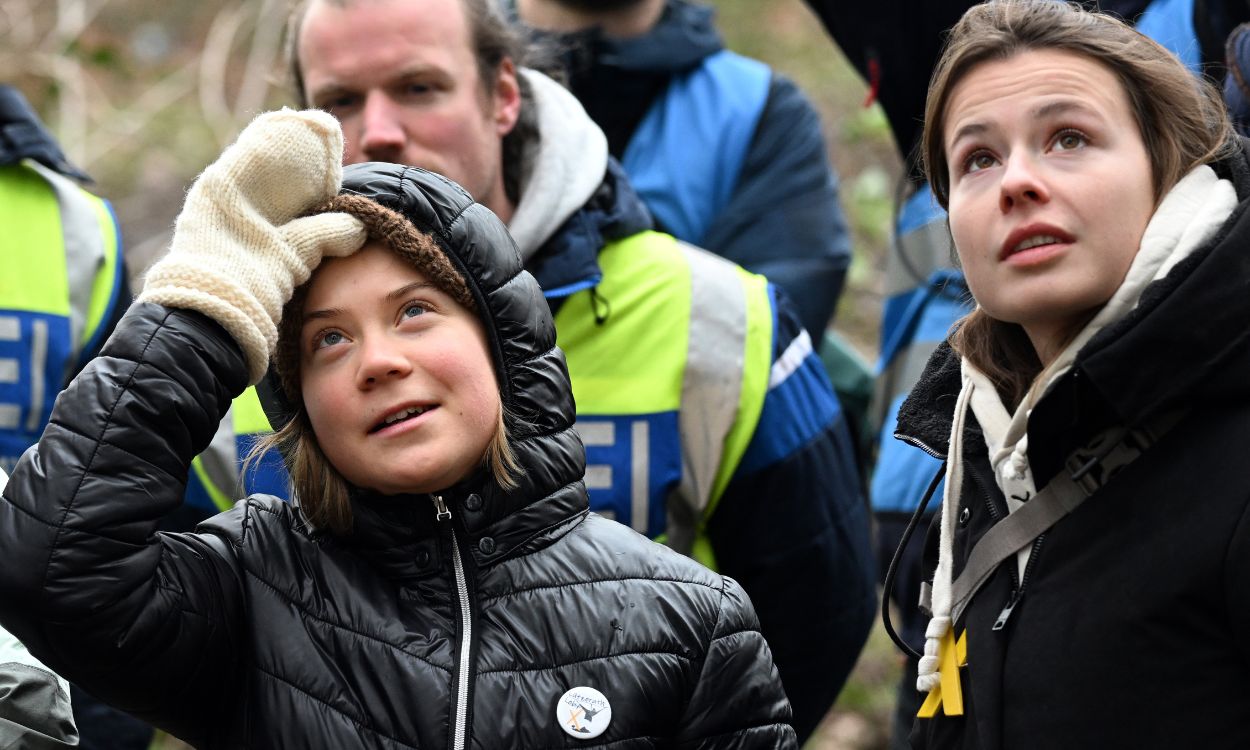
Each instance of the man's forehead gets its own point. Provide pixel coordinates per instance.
(457, 7)
(348, 38)
(400, 15)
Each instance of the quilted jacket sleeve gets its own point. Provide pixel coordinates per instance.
(738, 701)
(143, 620)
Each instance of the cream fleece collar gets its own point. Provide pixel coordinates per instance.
(561, 168)
(1188, 216)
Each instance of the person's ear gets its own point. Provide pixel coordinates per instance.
(507, 97)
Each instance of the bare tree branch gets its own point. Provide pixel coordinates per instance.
(265, 47)
(214, 61)
(120, 127)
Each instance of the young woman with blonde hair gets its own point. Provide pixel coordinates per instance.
(440, 581)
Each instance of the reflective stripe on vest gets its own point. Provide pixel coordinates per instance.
(918, 275)
(217, 474)
(685, 157)
(59, 280)
(670, 385)
(926, 297)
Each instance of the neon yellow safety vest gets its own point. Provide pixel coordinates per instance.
(60, 279)
(217, 478)
(670, 360)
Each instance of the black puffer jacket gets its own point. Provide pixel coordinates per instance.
(259, 632)
(1129, 626)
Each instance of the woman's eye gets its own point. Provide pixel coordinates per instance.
(413, 310)
(327, 338)
(1069, 140)
(978, 161)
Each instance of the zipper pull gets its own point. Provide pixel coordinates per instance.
(440, 507)
(1001, 622)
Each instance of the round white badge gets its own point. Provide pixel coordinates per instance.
(583, 712)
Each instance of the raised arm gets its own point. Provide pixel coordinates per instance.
(149, 621)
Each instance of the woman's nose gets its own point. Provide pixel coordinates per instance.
(380, 360)
(1022, 182)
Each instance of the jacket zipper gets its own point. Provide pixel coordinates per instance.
(919, 444)
(1017, 593)
(460, 707)
(1018, 582)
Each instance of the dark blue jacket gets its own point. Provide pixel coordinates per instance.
(727, 155)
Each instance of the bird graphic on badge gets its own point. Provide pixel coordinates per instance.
(583, 712)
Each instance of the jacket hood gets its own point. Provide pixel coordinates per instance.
(561, 168)
(24, 136)
(574, 197)
(533, 379)
(1186, 342)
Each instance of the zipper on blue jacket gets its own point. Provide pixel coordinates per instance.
(460, 703)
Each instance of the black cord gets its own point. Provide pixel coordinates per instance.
(892, 571)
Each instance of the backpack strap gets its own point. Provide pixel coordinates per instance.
(1087, 470)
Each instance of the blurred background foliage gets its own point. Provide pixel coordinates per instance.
(143, 95)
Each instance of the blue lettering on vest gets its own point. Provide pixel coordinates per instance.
(633, 463)
(33, 350)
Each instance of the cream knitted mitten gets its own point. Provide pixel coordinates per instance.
(238, 250)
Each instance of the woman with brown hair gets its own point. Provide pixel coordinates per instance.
(440, 581)
(1091, 561)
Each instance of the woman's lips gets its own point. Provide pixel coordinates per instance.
(404, 423)
(1036, 255)
(1034, 243)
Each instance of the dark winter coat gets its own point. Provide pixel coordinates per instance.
(258, 631)
(781, 217)
(1129, 628)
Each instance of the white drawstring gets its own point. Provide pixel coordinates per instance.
(928, 676)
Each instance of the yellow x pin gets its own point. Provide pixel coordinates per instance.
(951, 656)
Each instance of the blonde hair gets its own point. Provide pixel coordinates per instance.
(324, 495)
(1180, 116)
